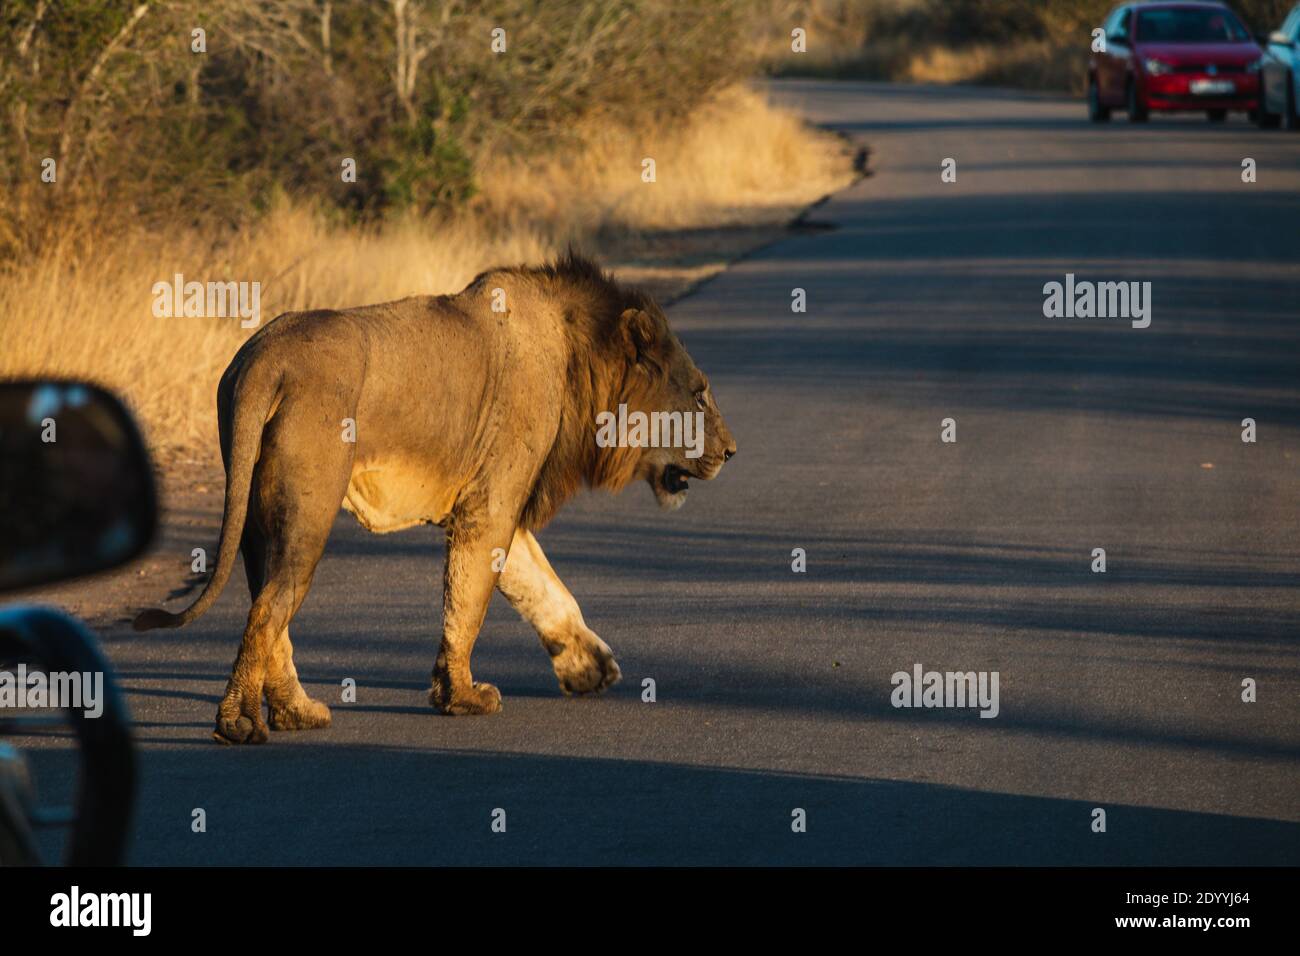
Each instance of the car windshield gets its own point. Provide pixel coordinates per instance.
(1189, 25)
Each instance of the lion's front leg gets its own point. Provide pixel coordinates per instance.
(583, 663)
(468, 580)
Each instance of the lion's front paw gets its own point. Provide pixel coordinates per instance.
(586, 667)
(458, 701)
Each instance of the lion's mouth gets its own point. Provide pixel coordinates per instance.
(674, 479)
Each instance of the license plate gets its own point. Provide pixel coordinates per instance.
(1213, 87)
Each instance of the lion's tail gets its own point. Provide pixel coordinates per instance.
(250, 412)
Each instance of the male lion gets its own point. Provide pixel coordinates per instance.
(479, 420)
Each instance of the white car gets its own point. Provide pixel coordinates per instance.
(1279, 75)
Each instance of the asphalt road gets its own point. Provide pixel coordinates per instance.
(1119, 691)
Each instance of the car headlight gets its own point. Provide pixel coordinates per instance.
(1256, 66)
(1156, 67)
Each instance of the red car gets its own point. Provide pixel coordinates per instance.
(1174, 56)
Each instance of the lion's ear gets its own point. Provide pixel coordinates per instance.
(639, 333)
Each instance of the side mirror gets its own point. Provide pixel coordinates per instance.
(76, 484)
(1278, 38)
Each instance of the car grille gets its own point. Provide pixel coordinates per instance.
(1221, 68)
(1199, 101)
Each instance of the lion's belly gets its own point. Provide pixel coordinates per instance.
(388, 497)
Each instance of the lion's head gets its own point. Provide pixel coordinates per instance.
(628, 382)
(685, 433)
(668, 413)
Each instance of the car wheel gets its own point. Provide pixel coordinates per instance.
(1217, 116)
(1096, 112)
(1136, 113)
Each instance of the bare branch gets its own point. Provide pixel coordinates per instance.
(87, 83)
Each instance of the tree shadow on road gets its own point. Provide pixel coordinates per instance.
(311, 805)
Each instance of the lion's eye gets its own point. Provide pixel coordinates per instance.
(700, 403)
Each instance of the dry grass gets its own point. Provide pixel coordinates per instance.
(1032, 64)
(82, 308)
(739, 162)
(1025, 64)
(931, 41)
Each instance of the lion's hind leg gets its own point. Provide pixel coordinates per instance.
(239, 715)
(289, 706)
(265, 662)
(583, 663)
(291, 511)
